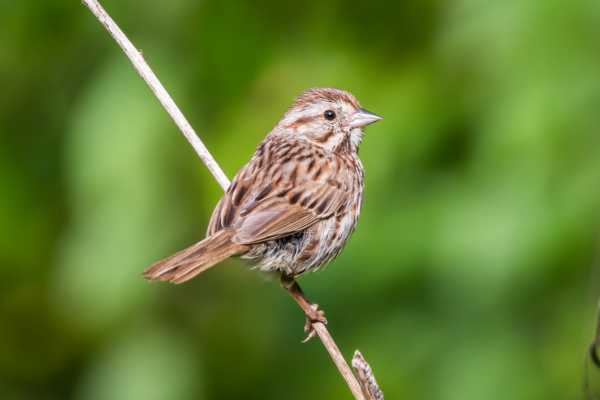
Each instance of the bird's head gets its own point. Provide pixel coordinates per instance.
(327, 117)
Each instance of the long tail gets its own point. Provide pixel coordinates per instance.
(190, 262)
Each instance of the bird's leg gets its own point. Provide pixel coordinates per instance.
(312, 315)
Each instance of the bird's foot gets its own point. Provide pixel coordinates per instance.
(312, 316)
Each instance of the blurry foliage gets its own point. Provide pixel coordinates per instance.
(469, 276)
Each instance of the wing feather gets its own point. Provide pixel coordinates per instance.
(265, 203)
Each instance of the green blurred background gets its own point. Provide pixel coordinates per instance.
(471, 274)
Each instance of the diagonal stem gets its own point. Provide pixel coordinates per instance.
(294, 289)
(137, 59)
(145, 72)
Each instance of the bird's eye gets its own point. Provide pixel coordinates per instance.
(329, 115)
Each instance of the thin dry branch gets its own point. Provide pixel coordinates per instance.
(338, 359)
(159, 90)
(145, 72)
(369, 386)
(592, 355)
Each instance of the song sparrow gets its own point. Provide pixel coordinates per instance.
(292, 208)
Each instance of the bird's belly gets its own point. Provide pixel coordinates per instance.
(304, 251)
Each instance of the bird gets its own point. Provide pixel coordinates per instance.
(292, 208)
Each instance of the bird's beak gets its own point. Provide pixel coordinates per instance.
(363, 117)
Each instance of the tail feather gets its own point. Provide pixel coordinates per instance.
(190, 262)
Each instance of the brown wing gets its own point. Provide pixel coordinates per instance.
(270, 200)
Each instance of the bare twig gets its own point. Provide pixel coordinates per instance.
(144, 70)
(366, 378)
(338, 359)
(592, 355)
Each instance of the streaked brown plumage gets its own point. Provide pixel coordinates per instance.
(292, 208)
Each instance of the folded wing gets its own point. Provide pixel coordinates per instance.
(266, 202)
